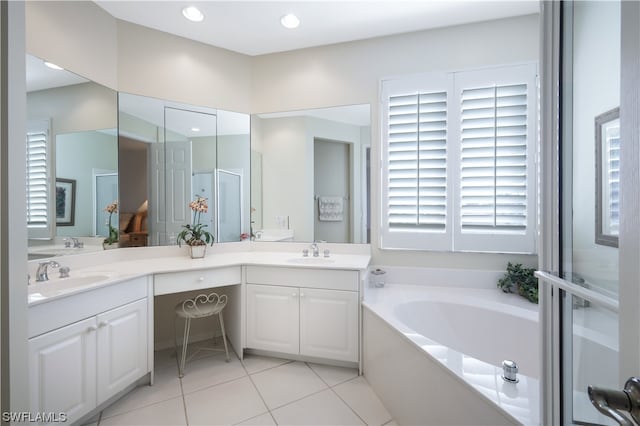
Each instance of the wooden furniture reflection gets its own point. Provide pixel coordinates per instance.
(133, 227)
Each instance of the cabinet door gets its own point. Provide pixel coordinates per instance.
(62, 370)
(329, 324)
(122, 348)
(272, 318)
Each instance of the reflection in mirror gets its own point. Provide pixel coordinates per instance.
(171, 153)
(71, 139)
(310, 175)
(608, 177)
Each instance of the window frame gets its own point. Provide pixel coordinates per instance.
(454, 239)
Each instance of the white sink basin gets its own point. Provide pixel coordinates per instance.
(311, 260)
(63, 285)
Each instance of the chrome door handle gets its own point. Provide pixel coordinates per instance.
(609, 402)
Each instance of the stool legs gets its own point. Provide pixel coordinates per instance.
(187, 328)
(185, 341)
(224, 335)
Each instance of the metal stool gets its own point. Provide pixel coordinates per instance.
(201, 306)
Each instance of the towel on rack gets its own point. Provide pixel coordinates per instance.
(330, 209)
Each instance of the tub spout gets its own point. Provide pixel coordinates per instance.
(510, 371)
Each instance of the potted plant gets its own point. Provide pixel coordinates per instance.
(520, 280)
(194, 235)
(112, 240)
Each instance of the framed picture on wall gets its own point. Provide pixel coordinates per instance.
(65, 202)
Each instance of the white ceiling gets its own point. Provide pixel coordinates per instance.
(253, 27)
(40, 77)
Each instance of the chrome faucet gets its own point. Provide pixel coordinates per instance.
(77, 243)
(315, 249)
(41, 274)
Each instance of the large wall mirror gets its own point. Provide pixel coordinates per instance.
(72, 154)
(171, 153)
(310, 175)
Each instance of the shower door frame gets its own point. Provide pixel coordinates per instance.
(552, 410)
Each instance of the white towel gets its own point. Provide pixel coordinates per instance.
(330, 209)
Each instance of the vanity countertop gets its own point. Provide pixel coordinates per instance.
(95, 270)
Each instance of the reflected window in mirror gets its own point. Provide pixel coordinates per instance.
(608, 177)
(310, 175)
(81, 144)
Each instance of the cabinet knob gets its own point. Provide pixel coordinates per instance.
(301, 294)
(201, 279)
(103, 324)
(91, 328)
(294, 294)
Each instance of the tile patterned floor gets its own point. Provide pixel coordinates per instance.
(255, 391)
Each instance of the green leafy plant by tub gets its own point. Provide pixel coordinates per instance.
(520, 280)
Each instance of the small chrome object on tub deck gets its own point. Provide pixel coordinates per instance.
(510, 371)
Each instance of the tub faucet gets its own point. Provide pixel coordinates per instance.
(77, 243)
(41, 274)
(316, 250)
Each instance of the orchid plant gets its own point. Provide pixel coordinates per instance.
(194, 234)
(113, 232)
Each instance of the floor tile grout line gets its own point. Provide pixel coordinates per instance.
(128, 395)
(338, 395)
(285, 362)
(299, 399)
(258, 390)
(352, 409)
(213, 386)
(337, 384)
(349, 405)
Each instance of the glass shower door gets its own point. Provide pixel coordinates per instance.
(596, 268)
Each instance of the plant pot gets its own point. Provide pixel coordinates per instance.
(109, 246)
(198, 252)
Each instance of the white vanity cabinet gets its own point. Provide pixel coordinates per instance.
(76, 367)
(308, 312)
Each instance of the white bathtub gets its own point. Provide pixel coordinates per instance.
(434, 354)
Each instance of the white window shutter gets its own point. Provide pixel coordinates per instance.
(415, 163)
(39, 209)
(458, 161)
(496, 170)
(612, 191)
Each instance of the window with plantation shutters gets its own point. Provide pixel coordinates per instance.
(493, 158)
(38, 161)
(417, 161)
(458, 161)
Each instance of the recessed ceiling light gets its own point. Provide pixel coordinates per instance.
(192, 13)
(290, 21)
(195, 129)
(53, 66)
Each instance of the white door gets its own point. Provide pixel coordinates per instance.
(272, 318)
(329, 324)
(122, 348)
(157, 218)
(228, 206)
(106, 192)
(178, 187)
(591, 297)
(62, 370)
